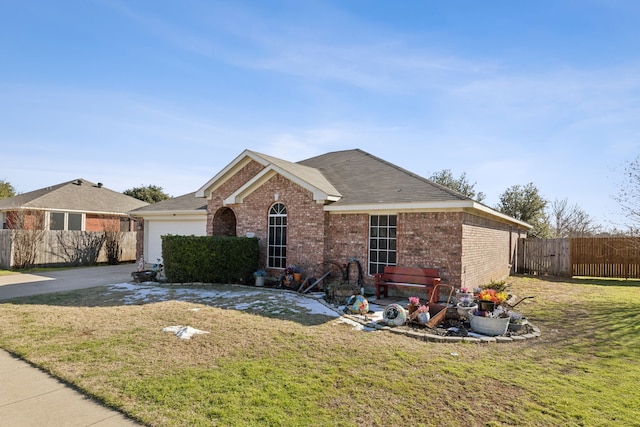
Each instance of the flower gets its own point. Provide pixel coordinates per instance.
(259, 273)
(414, 300)
(423, 309)
(464, 290)
(493, 295)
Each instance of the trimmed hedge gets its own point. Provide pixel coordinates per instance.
(209, 259)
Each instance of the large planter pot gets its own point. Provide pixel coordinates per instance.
(259, 280)
(465, 311)
(491, 326)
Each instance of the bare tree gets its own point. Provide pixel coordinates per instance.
(112, 241)
(570, 220)
(628, 197)
(27, 236)
(80, 247)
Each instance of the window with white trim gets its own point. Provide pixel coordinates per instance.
(277, 243)
(382, 242)
(66, 221)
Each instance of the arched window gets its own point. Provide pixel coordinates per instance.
(277, 248)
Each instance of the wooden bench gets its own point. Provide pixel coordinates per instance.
(406, 277)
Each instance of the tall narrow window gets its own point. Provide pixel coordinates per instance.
(277, 248)
(382, 242)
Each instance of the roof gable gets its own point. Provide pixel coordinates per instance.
(305, 176)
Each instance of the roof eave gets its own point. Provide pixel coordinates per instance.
(437, 206)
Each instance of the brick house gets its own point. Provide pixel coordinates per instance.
(351, 204)
(74, 205)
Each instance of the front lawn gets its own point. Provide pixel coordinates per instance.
(289, 368)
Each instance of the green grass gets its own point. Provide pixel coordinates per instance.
(282, 370)
(7, 272)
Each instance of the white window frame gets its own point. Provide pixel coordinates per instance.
(83, 219)
(277, 213)
(384, 238)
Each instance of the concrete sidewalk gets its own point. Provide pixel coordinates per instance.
(31, 397)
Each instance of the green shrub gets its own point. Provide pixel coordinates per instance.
(209, 259)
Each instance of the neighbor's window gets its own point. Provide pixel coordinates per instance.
(382, 242)
(56, 221)
(277, 245)
(74, 221)
(65, 221)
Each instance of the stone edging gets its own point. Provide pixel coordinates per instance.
(424, 336)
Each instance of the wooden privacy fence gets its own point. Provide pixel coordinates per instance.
(617, 257)
(606, 257)
(544, 256)
(65, 248)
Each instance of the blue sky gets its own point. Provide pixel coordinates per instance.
(133, 93)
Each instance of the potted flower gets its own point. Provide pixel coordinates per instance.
(465, 303)
(489, 299)
(294, 272)
(414, 303)
(423, 314)
(259, 275)
(464, 295)
(490, 318)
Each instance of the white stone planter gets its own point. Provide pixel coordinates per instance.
(491, 326)
(464, 311)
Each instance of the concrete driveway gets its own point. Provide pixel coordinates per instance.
(27, 284)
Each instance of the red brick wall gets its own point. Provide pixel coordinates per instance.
(467, 249)
(305, 217)
(226, 189)
(28, 220)
(489, 247)
(101, 223)
(431, 240)
(347, 237)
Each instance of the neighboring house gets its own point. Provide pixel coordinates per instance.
(350, 204)
(73, 205)
(184, 215)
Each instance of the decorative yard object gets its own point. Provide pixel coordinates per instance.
(466, 308)
(491, 326)
(358, 304)
(394, 315)
(259, 276)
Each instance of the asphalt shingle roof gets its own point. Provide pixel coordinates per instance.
(186, 202)
(77, 195)
(363, 179)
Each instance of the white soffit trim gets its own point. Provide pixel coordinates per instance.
(174, 216)
(440, 206)
(267, 173)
